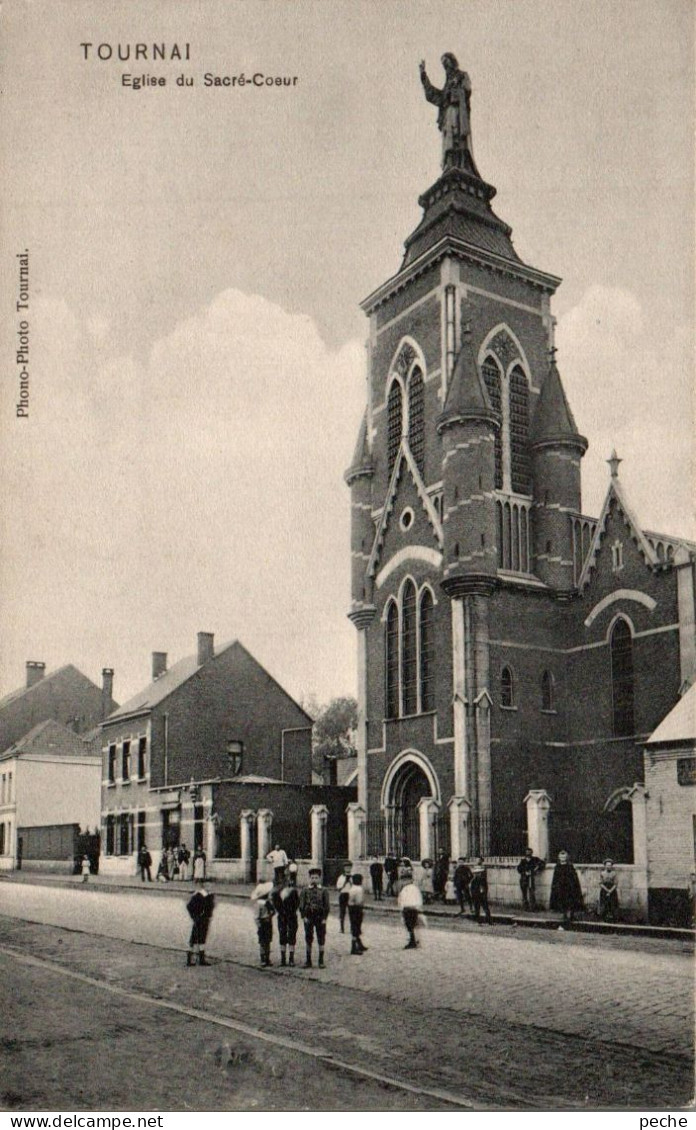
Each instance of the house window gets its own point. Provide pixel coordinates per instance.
(547, 699)
(519, 432)
(140, 840)
(416, 419)
(621, 647)
(392, 661)
(9, 788)
(491, 376)
(109, 835)
(409, 649)
(142, 758)
(125, 845)
(507, 688)
(125, 761)
(235, 751)
(2, 793)
(394, 424)
(112, 764)
(427, 651)
(2, 839)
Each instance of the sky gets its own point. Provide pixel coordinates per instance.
(197, 257)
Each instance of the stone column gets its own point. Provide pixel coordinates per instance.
(362, 618)
(246, 832)
(319, 814)
(538, 804)
(482, 708)
(428, 809)
(264, 825)
(211, 827)
(461, 786)
(639, 801)
(459, 814)
(388, 817)
(684, 565)
(356, 816)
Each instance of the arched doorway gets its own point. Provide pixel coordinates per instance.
(408, 786)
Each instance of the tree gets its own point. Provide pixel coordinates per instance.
(333, 732)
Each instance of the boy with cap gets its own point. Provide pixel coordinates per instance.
(314, 908)
(410, 904)
(356, 900)
(286, 900)
(343, 885)
(263, 913)
(200, 907)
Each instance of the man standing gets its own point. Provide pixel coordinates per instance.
(200, 907)
(462, 883)
(184, 859)
(343, 885)
(566, 892)
(479, 891)
(391, 868)
(145, 863)
(279, 860)
(376, 874)
(440, 873)
(528, 867)
(314, 908)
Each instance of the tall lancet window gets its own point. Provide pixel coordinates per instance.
(391, 644)
(394, 424)
(519, 432)
(622, 678)
(491, 375)
(416, 419)
(409, 649)
(427, 651)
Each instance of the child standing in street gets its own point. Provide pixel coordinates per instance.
(356, 899)
(200, 908)
(410, 905)
(85, 869)
(263, 913)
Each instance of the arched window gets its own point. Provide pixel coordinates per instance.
(507, 688)
(621, 646)
(392, 661)
(427, 651)
(394, 424)
(499, 533)
(547, 702)
(416, 419)
(519, 432)
(409, 649)
(491, 375)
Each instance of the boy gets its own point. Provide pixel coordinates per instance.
(356, 900)
(200, 907)
(286, 900)
(263, 914)
(410, 903)
(314, 908)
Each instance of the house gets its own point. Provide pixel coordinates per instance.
(50, 789)
(64, 695)
(670, 783)
(513, 652)
(182, 758)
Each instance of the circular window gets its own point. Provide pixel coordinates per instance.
(406, 519)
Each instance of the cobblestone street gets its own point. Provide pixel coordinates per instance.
(607, 1018)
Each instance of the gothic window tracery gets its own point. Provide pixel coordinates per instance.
(409, 652)
(394, 424)
(427, 651)
(492, 378)
(416, 419)
(621, 647)
(507, 688)
(519, 432)
(409, 649)
(392, 661)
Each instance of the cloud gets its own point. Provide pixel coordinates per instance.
(633, 392)
(198, 489)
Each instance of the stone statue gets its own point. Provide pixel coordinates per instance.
(453, 119)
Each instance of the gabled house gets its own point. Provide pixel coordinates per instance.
(50, 789)
(214, 718)
(64, 695)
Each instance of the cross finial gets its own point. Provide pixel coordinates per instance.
(552, 354)
(613, 462)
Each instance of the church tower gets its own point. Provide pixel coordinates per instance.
(463, 486)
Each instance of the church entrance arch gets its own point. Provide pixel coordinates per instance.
(409, 779)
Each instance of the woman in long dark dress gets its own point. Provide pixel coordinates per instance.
(566, 893)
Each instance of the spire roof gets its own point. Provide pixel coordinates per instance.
(467, 396)
(553, 419)
(361, 463)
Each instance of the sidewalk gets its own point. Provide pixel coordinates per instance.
(444, 915)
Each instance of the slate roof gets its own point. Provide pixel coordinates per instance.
(553, 418)
(52, 738)
(178, 674)
(362, 460)
(22, 691)
(467, 395)
(680, 724)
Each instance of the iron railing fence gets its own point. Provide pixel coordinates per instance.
(590, 836)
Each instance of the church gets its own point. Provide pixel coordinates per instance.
(514, 653)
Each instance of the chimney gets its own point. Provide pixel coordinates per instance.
(107, 696)
(159, 664)
(206, 647)
(35, 672)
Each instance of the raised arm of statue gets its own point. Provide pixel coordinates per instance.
(432, 93)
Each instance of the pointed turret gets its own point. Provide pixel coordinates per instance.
(557, 448)
(467, 425)
(359, 479)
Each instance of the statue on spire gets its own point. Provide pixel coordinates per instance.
(454, 112)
